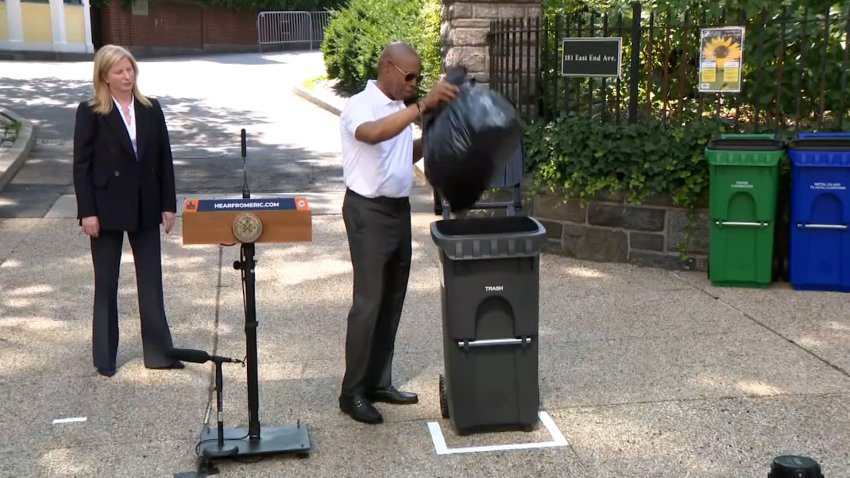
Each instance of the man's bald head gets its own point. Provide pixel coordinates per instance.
(399, 71)
(396, 52)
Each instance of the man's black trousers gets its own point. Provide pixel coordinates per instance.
(379, 240)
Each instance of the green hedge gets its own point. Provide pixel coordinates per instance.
(583, 158)
(357, 34)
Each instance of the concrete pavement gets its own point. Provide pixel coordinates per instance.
(645, 372)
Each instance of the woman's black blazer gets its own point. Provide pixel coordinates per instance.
(124, 190)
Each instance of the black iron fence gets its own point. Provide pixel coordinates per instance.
(795, 72)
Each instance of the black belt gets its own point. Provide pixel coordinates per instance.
(380, 199)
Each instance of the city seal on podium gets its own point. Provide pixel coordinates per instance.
(247, 227)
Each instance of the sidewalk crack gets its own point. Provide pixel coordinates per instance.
(758, 322)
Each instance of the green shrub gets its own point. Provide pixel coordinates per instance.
(356, 35)
(8, 126)
(583, 158)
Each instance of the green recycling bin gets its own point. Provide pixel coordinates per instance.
(744, 182)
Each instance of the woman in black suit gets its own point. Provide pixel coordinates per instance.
(124, 182)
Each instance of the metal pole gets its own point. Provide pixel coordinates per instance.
(634, 74)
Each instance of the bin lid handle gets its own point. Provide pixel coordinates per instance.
(738, 144)
(822, 135)
(835, 143)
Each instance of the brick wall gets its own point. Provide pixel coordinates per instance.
(230, 28)
(173, 27)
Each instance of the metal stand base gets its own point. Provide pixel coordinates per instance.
(273, 439)
(219, 452)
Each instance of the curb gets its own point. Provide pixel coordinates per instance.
(38, 56)
(14, 158)
(418, 167)
(307, 95)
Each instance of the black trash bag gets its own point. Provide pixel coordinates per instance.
(468, 141)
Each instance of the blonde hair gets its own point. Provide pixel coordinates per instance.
(105, 58)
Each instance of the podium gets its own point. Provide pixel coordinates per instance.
(249, 221)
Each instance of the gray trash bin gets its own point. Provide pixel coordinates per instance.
(490, 308)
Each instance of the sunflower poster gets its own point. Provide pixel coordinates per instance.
(721, 56)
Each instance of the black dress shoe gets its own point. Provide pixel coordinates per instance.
(106, 373)
(173, 365)
(358, 408)
(393, 395)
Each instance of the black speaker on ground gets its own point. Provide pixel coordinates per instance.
(790, 466)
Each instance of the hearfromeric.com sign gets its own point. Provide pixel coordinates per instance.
(592, 57)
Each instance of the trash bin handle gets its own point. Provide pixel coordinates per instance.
(748, 136)
(493, 342)
(823, 135)
(838, 227)
(741, 224)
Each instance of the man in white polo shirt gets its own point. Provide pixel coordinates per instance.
(378, 153)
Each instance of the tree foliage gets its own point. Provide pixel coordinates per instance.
(795, 72)
(356, 35)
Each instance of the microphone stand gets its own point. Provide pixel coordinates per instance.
(220, 450)
(256, 439)
(246, 193)
(247, 265)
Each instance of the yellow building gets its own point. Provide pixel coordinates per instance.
(46, 26)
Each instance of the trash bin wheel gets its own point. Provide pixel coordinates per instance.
(444, 403)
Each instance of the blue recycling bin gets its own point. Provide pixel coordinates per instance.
(820, 212)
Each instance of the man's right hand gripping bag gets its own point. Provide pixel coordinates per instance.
(468, 141)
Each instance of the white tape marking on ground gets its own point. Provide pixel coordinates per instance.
(58, 421)
(438, 439)
(441, 448)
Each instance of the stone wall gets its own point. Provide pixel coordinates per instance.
(612, 230)
(465, 26)
(655, 234)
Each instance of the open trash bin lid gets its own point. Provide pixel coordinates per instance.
(489, 238)
(741, 144)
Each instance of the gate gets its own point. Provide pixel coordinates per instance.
(298, 29)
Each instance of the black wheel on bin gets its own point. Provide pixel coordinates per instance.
(444, 402)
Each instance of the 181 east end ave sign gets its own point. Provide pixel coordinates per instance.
(592, 57)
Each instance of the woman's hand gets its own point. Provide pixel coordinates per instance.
(91, 226)
(168, 220)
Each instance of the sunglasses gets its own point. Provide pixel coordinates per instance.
(408, 77)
